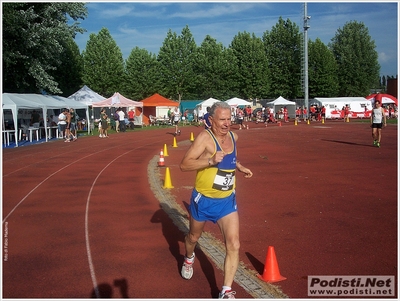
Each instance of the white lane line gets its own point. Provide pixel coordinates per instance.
(87, 240)
(30, 192)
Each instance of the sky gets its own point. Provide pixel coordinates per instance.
(145, 24)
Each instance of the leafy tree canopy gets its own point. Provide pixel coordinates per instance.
(33, 36)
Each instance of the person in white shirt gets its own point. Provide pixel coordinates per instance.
(378, 120)
(176, 116)
(122, 124)
(62, 122)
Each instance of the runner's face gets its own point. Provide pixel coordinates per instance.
(221, 121)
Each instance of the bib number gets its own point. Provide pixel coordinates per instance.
(224, 180)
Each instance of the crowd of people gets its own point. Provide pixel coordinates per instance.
(67, 121)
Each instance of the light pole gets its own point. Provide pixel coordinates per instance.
(306, 27)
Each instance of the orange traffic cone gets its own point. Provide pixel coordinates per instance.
(271, 270)
(280, 123)
(191, 137)
(165, 150)
(174, 144)
(161, 162)
(167, 180)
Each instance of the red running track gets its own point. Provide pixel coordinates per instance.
(80, 219)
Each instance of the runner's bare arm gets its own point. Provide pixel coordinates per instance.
(199, 154)
(384, 117)
(247, 172)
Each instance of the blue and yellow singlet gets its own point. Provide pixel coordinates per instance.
(218, 181)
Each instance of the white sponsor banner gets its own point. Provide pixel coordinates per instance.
(351, 286)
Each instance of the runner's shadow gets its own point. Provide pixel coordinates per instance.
(175, 234)
(346, 142)
(186, 205)
(171, 233)
(105, 290)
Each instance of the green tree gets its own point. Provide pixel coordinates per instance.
(282, 46)
(252, 71)
(142, 78)
(69, 74)
(216, 69)
(176, 58)
(33, 41)
(103, 64)
(357, 59)
(322, 70)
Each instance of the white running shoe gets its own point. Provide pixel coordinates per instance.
(227, 295)
(187, 268)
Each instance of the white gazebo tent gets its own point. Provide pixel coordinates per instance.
(13, 103)
(201, 108)
(86, 96)
(234, 102)
(281, 102)
(45, 102)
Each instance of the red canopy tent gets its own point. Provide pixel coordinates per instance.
(152, 103)
(383, 98)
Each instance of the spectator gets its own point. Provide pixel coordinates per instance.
(62, 123)
(131, 118)
(185, 116)
(346, 112)
(116, 119)
(206, 120)
(74, 120)
(104, 124)
(68, 134)
(298, 112)
(122, 124)
(169, 114)
(248, 113)
(240, 117)
(35, 117)
(305, 113)
(233, 115)
(285, 114)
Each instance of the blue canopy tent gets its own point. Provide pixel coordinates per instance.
(189, 105)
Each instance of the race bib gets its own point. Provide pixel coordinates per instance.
(224, 180)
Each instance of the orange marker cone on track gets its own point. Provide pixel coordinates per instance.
(191, 137)
(167, 180)
(271, 270)
(174, 144)
(161, 162)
